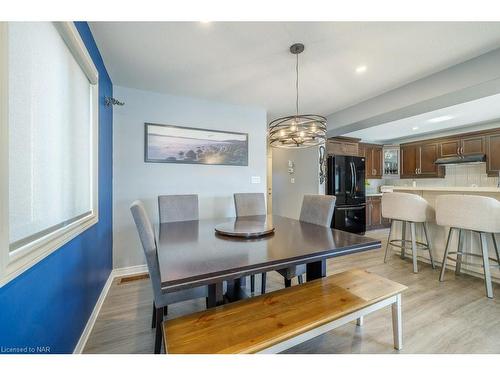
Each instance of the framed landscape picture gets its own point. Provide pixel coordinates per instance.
(176, 144)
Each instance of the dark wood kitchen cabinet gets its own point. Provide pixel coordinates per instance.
(417, 160)
(449, 148)
(472, 145)
(492, 142)
(462, 146)
(373, 159)
(408, 160)
(376, 155)
(429, 153)
(342, 146)
(374, 218)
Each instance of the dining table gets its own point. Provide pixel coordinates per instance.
(192, 253)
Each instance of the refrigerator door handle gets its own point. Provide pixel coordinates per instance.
(355, 178)
(351, 165)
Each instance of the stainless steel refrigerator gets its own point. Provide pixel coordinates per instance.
(346, 180)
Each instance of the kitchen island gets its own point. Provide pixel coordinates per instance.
(438, 234)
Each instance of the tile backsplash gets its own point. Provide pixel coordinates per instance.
(373, 186)
(456, 175)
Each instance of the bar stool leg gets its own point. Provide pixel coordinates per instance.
(443, 265)
(414, 247)
(429, 246)
(486, 264)
(388, 241)
(461, 235)
(496, 248)
(403, 237)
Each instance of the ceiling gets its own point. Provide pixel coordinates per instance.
(465, 114)
(249, 63)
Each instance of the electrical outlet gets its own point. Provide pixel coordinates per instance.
(292, 180)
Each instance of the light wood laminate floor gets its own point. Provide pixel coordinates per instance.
(450, 317)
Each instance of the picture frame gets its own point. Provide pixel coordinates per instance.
(189, 145)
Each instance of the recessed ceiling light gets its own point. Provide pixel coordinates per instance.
(361, 69)
(441, 118)
(414, 128)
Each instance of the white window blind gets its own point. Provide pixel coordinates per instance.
(50, 134)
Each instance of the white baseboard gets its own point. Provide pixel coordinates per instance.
(118, 272)
(127, 271)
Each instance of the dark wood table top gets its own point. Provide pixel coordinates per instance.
(190, 253)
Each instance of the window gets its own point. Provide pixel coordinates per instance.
(49, 141)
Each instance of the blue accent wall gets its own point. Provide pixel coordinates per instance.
(49, 304)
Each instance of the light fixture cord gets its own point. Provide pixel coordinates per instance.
(297, 85)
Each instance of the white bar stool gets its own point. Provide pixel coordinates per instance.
(474, 213)
(407, 208)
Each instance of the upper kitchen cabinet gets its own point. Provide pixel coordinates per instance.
(429, 153)
(472, 145)
(492, 142)
(373, 159)
(449, 147)
(342, 146)
(391, 161)
(408, 160)
(417, 160)
(462, 146)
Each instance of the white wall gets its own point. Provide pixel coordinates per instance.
(135, 179)
(287, 196)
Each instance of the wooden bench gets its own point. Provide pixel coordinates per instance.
(279, 320)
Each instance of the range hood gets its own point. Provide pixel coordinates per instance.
(460, 159)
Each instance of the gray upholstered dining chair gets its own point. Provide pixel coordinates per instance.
(161, 299)
(251, 204)
(318, 210)
(178, 207)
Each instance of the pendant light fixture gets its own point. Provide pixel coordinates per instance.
(297, 131)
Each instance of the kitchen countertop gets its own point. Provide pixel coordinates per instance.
(479, 189)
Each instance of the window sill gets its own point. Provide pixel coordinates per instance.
(24, 258)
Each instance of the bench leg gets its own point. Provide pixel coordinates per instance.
(359, 321)
(397, 329)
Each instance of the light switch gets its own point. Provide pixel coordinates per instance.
(255, 179)
(292, 180)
